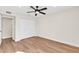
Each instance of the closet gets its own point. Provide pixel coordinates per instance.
(7, 27)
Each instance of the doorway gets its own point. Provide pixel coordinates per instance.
(8, 27)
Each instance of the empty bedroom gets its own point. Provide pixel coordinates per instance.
(39, 29)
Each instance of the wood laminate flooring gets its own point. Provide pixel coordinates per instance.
(36, 45)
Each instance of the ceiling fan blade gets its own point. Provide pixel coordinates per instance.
(42, 13)
(43, 9)
(35, 14)
(30, 11)
(32, 7)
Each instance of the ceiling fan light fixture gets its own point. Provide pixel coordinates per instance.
(37, 12)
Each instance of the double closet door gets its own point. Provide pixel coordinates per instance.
(7, 27)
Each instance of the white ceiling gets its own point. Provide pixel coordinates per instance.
(21, 10)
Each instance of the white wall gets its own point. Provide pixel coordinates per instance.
(24, 28)
(6, 27)
(62, 26)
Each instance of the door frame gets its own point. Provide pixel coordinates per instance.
(13, 18)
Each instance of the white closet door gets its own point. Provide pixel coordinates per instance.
(13, 28)
(0, 29)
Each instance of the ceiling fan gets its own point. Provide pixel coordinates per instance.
(37, 10)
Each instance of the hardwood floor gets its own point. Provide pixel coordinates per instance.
(36, 45)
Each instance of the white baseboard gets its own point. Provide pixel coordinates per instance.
(51, 38)
(18, 39)
(65, 42)
(6, 37)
